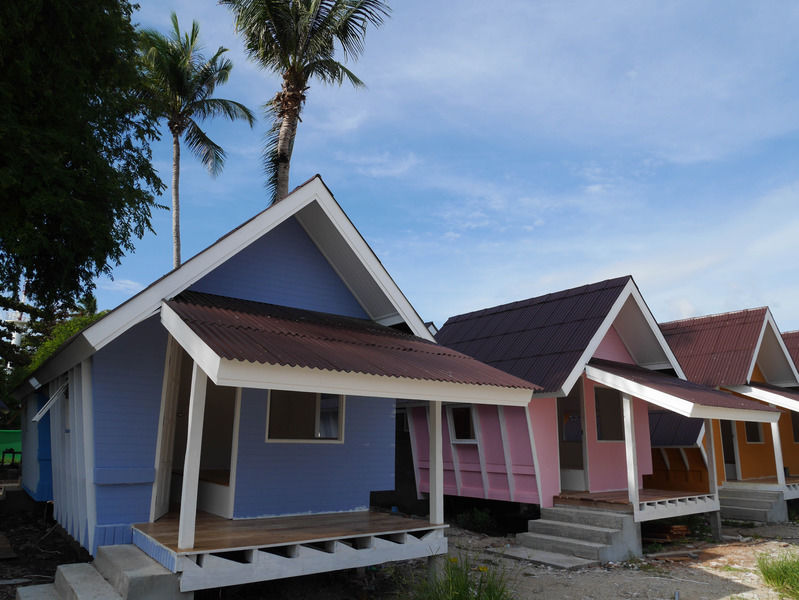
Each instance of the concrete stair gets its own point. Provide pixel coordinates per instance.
(593, 535)
(749, 504)
(120, 572)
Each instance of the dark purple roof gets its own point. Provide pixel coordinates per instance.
(540, 339)
(278, 335)
(791, 339)
(716, 350)
(686, 390)
(668, 429)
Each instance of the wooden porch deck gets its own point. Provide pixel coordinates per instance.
(652, 503)
(217, 534)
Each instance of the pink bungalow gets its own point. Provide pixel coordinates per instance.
(584, 439)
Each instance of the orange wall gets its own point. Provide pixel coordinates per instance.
(790, 448)
(757, 460)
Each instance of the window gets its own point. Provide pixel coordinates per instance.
(304, 417)
(462, 424)
(609, 421)
(795, 425)
(754, 433)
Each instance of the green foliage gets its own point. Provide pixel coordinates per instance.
(76, 181)
(61, 333)
(460, 580)
(781, 572)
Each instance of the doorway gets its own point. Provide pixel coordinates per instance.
(729, 447)
(571, 440)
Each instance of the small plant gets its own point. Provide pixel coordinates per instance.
(460, 580)
(781, 572)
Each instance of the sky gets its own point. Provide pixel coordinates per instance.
(505, 150)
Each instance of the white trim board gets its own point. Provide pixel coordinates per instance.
(765, 396)
(672, 403)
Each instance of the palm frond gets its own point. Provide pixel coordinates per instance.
(209, 152)
(270, 157)
(220, 107)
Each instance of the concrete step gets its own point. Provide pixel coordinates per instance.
(749, 493)
(136, 576)
(746, 502)
(757, 515)
(38, 592)
(82, 581)
(579, 531)
(586, 516)
(542, 557)
(561, 545)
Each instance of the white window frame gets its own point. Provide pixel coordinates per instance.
(451, 424)
(342, 401)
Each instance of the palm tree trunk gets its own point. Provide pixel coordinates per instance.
(285, 147)
(175, 200)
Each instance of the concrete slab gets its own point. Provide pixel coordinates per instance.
(542, 557)
(38, 592)
(81, 581)
(136, 576)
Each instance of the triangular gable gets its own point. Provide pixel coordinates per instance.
(328, 227)
(771, 357)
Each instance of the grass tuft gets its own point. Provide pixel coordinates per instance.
(460, 580)
(781, 572)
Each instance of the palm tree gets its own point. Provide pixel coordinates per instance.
(180, 83)
(296, 39)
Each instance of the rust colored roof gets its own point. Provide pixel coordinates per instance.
(716, 350)
(278, 335)
(686, 390)
(791, 339)
(540, 339)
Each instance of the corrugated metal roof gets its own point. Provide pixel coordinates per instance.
(716, 350)
(278, 335)
(668, 429)
(791, 339)
(679, 388)
(540, 339)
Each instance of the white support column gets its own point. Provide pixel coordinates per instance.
(436, 466)
(629, 448)
(775, 437)
(711, 457)
(191, 464)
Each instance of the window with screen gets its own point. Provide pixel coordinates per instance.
(304, 417)
(754, 432)
(609, 419)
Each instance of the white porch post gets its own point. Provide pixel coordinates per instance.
(191, 464)
(436, 466)
(775, 437)
(712, 480)
(629, 448)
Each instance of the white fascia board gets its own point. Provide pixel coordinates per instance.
(765, 396)
(373, 265)
(756, 351)
(237, 373)
(71, 355)
(672, 359)
(199, 351)
(775, 330)
(675, 404)
(146, 302)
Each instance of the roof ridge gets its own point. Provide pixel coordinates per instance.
(557, 295)
(731, 313)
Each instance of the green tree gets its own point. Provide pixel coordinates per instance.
(180, 84)
(77, 186)
(297, 39)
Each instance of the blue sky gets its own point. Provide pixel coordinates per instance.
(506, 150)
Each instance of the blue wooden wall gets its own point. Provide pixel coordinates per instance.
(278, 478)
(283, 267)
(37, 479)
(127, 376)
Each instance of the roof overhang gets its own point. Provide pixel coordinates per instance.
(679, 403)
(782, 398)
(238, 373)
(772, 356)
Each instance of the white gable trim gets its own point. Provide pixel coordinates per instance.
(236, 373)
(770, 323)
(147, 302)
(677, 405)
(630, 290)
(765, 396)
(756, 353)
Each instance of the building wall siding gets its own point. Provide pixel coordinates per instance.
(37, 472)
(283, 267)
(279, 478)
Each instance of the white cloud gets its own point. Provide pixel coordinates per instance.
(127, 286)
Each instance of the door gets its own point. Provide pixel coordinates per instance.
(571, 441)
(728, 446)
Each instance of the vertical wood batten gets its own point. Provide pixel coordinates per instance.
(88, 449)
(191, 464)
(159, 504)
(629, 448)
(436, 466)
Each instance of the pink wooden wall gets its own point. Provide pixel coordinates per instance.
(544, 417)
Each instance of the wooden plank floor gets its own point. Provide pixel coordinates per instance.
(767, 480)
(619, 499)
(214, 534)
